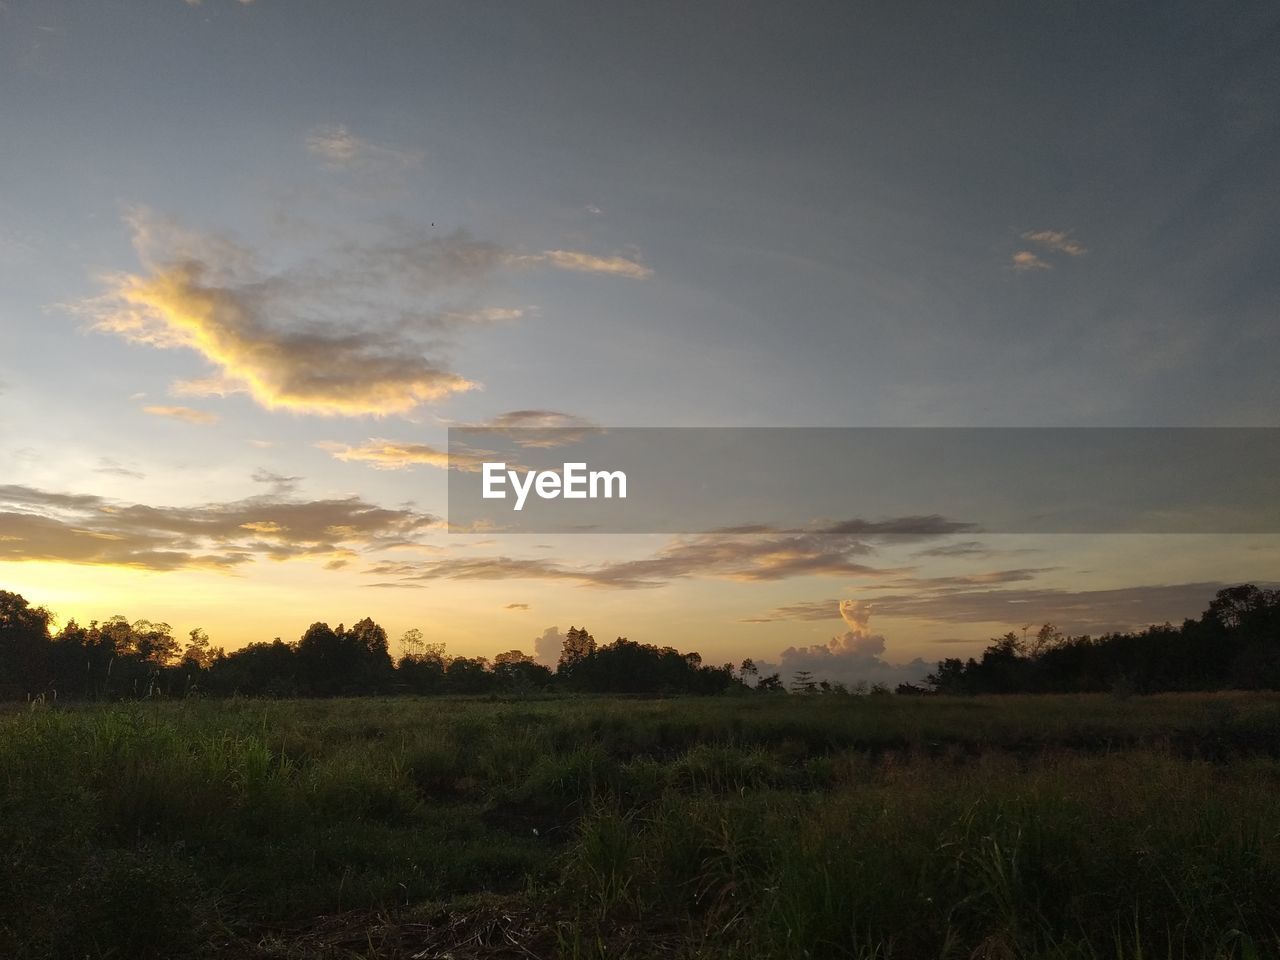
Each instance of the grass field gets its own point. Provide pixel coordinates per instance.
(785, 826)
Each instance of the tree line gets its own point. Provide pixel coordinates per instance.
(1234, 644)
(117, 659)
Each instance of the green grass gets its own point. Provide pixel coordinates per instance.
(1055, 827)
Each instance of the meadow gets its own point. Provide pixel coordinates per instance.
(753, 826)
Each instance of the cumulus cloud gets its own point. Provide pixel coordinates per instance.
(547, 646)
(1058, 241)
(853, 657)
(185, 414)
(37, 524)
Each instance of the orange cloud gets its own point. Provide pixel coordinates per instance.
(582, 262)
(355, 334)
(185, 414)
(394, 455)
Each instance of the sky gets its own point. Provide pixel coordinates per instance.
(257, 257)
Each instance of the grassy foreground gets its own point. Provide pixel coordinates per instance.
(732, 827)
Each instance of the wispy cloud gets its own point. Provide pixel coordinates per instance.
(1059, 241)
(279, 482)
(324, 342)
(516, 606)
(751, 554)
(918, 586)
(582, 262)
(803, 610)
(964, 548)
(1075, 611)
(396, 455)
(185, 414)
(538, 428)
(113, 468)
(360, 330)
(38, 524)
(338, 147)
(1025, 261)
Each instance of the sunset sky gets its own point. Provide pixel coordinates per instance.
(256, 257)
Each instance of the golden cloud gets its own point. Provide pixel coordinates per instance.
(186, 414)
(358, 333)
(394, 455)
(582, 262)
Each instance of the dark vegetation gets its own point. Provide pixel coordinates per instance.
(1235, 644)
(119, 659)
(538, 820)
(1064, 826)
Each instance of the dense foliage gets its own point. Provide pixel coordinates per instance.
(1235, 644)
(118, 659)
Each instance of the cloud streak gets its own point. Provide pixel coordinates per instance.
(750, 554)
(185, 414)
(397, 455)
(589, 263)
(37, 524)
(1058, 241)
(340, 149)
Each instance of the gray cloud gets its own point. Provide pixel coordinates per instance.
(1058, 241)
(78, 528)
(1073, 611)
(965, 548)
(112, 468)
(805, 610)
(277, 481)
(758, 554)
(547, 646)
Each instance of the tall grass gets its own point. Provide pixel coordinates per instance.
(1058, 827)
